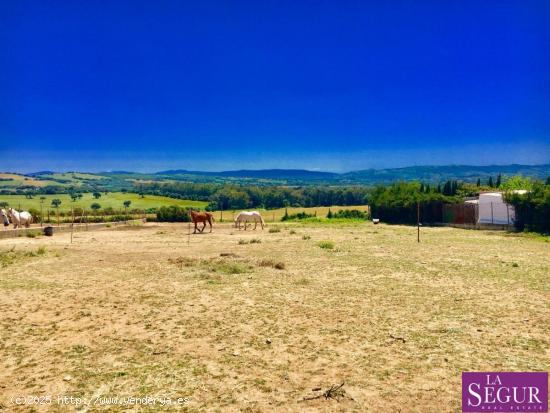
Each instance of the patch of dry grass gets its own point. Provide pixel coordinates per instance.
(10, 256)
(136, 313)
(279, 265)
(250, 241)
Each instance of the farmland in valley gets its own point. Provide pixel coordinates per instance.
(111, 199)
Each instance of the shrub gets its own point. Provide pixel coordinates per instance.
(348, 214)
(115, 218)
(172, 213)
(252, 241)
(36, 216)
(231, 268)
(532, 209)
(279, 265)
(306, 237)
(327, 245)
(517, 182)
(285, 216)
(297, 216)
(109, 211)
(274, 229)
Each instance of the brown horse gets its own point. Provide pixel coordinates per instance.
(203, 217)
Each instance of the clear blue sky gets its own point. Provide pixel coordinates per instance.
(334, 85)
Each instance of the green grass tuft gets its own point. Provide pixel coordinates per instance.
(231, 268)
(326, 245)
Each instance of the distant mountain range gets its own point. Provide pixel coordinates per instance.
(371, 176)
(260, 174)
(423, 173)
(114, 180)
(446, 172)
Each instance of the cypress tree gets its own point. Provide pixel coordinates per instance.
(499, 180)
(491, 181)
(448, 188)
(478, 183)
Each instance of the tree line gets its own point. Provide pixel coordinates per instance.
(230, 197)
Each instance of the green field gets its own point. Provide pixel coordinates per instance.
(112, 199)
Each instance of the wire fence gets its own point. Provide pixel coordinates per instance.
(55, 217)
(66, 228)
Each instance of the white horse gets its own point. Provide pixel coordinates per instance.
(19, 218)
(4, 217)
(246, 216)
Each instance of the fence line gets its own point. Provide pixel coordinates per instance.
(21, 232)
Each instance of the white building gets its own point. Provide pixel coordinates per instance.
(493, 210)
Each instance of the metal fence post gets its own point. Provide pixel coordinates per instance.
(418, 221)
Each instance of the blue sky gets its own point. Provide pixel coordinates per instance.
(146, 86)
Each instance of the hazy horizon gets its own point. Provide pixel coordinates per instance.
(87, 162)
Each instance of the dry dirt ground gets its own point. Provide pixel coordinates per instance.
(267, 321)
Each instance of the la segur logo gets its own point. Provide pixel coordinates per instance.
(504, 392)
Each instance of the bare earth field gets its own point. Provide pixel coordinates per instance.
(234, 324)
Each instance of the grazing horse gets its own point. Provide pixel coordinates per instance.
(246, 216)
(4, 217)
(19, 218)
(203, 217)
